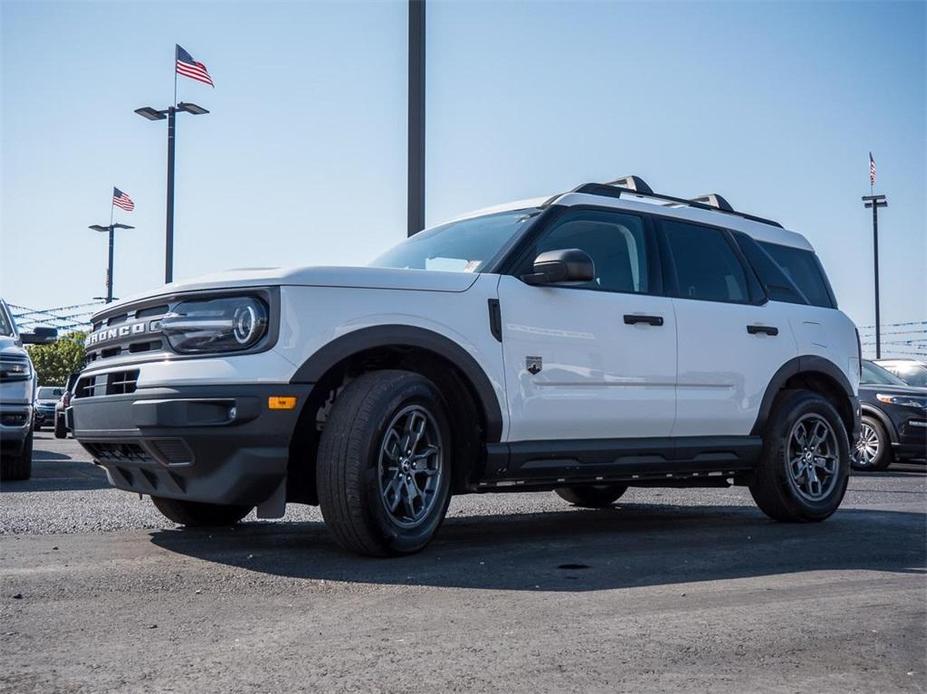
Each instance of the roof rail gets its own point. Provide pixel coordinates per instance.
(714, 200)
(636, 186)
(635, 183)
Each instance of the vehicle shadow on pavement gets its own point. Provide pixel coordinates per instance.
(54, 472)
(625, 546)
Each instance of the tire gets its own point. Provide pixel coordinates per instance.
(372, 498)
(793, 485)
(195, 514)
(17, 467)
(61, 429)
(874, 450)
(593, 495)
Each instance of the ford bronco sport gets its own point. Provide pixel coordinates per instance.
(599, 339)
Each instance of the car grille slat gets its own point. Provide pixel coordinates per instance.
(112, 383)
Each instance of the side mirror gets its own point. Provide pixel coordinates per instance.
(567, 265)
(40, 336)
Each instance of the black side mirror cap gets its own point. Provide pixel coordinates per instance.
(40, 336)
(561, 266)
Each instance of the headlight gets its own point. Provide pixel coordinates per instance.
(15, 369)
(230, 324)
(903, 400)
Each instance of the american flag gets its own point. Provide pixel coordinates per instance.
(122, 200)
(872, 170)
(188, 67)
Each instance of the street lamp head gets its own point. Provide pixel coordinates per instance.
(150, 113)
(97, 227)
(122, 226)
(191, 108)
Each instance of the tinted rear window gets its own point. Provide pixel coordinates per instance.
(804, 270)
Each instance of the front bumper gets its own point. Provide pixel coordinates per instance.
(214, 444)
(15, 425)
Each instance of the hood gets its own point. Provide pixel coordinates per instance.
(354, 277)
(8, 346)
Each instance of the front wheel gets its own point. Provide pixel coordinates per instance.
(195, 514)
(384, 464)
(805, 464)
(18, 466)
(592, 495)
(874, 448)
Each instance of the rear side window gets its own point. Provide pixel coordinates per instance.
(778, 287)
(804, 270)
(707, 267)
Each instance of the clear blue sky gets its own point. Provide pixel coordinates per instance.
(302, 160)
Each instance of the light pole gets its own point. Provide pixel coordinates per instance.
(416, 119)
(170, 113)
(112, 242)
(875, 202)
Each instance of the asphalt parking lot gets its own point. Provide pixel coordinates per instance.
(670, 590)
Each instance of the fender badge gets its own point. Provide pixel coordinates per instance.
(534, 365)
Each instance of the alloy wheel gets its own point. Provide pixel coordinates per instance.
(813, 457)
(411, 466)
(868, 446)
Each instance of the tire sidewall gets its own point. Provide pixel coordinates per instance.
(402, 540)
(777, 456)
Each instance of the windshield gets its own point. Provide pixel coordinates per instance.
(463, 246)
(875, 374)
(49, 393)
(912, 374)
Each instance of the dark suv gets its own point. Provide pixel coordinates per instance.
(894, 422)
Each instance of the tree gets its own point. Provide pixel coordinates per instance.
(56, 361)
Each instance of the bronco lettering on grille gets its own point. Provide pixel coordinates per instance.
(107, 334)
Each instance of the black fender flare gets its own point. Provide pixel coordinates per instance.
(793, 367)
(883, 418)
(356, 341)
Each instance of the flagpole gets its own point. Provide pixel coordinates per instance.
(175, 76)
(109, 267)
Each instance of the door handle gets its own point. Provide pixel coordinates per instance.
(634, 318)
(767, 329)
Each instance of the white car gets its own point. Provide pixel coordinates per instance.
(587, 342)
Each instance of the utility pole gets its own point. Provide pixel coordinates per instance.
(875, 202)
(416, 118)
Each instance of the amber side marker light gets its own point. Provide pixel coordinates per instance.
(281, 402)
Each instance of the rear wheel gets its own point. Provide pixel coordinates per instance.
(874, 448)
(804, 467)
(18, 466)
(61, 429)
(195, 514)
(592, 495)
(384, 464)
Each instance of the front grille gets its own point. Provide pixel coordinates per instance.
(114, 452)
(128, 333)
(112, 383)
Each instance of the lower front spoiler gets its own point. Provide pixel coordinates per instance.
(215, 444)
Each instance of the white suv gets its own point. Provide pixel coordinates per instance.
(602, 338)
